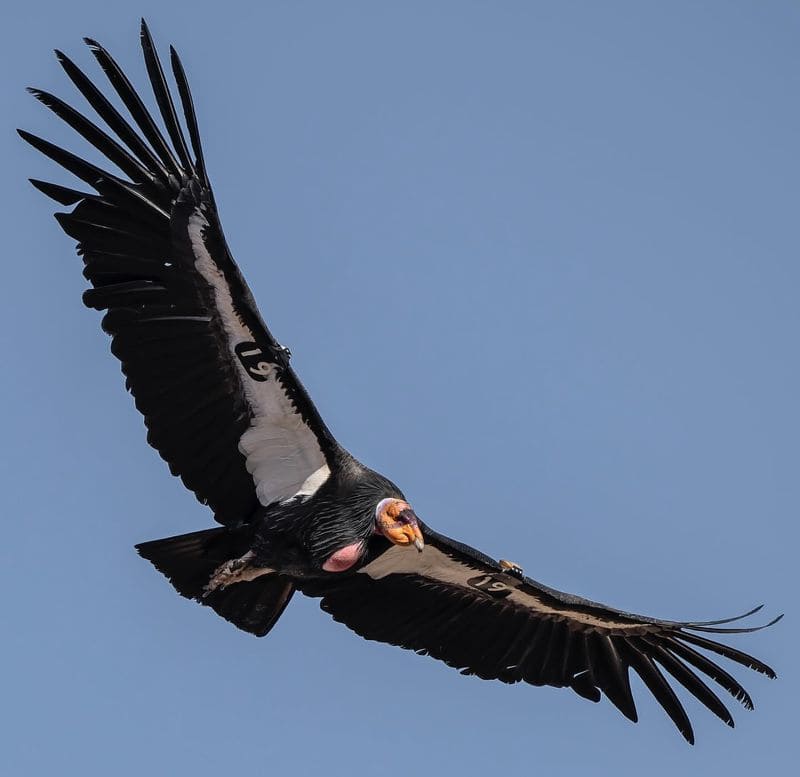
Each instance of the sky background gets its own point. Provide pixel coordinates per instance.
(537, 262)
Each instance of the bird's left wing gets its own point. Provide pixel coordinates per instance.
(458, 605)
(221, 403)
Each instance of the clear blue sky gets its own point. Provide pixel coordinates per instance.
(537, 262)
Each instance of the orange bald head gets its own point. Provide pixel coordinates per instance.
(396, 521)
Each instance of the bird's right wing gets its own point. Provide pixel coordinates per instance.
(458, 605)
(221, 403)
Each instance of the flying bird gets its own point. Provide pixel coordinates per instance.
(225, 409)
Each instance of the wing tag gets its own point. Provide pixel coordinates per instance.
(253, 361)
(490, 585)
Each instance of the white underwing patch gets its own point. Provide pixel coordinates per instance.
(437, 566)
(281, 453)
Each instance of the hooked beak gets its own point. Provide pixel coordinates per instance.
(402, 532)
(406, 534)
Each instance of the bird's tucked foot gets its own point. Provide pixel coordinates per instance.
(511, 568)
(237, 570)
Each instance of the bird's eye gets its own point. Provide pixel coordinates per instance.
(406, 517)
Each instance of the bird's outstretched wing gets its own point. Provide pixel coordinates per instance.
(456, 604)
(221, 404)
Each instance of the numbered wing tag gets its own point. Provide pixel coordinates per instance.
(253, 361)
(490, 585)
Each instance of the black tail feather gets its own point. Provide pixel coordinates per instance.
(189, 561)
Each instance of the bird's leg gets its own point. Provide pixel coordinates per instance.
(511, 568)
(237, 570)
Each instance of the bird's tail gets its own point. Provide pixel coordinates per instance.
(190, 560)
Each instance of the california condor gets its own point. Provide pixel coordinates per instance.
(227, 412)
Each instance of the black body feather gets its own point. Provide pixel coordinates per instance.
(224, 408)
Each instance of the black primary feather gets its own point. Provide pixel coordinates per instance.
(140, 256)
(444, 605)
(177, 308)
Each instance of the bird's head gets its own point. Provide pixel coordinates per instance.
(396, 521)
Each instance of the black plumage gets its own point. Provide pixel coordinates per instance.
(227, 412)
